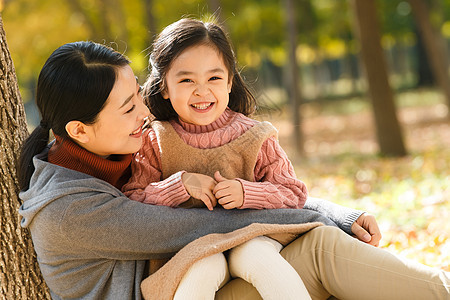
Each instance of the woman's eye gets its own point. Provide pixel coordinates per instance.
(215, 78)
(131, 109)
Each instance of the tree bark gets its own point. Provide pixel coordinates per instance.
(293, 77)
(388, 130)
(20, 277)
(151, 23)
(434, 46)
(76, 6)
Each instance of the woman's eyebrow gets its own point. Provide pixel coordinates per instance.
(126, 101)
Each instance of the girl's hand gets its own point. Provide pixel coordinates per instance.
(200, 187)
(228, 192)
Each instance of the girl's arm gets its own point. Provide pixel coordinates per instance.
(276, 184)
(281, 189)
(145, 184)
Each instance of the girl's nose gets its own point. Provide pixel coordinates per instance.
(201, 90)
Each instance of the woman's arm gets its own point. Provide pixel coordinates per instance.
(117, 228)
(343, 216)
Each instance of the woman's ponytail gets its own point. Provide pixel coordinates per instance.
(34, 144)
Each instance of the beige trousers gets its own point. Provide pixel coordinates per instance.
(330, 262)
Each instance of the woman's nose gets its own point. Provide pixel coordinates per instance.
(144, 111)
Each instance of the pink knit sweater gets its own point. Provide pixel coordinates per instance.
(275, 184)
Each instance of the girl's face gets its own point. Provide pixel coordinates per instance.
(198, 85)
(118, 129)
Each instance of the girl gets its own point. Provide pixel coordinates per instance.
(200, 105)
(203, 135)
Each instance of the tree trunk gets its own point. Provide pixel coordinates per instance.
(77, 7)
(434, 46)
(424, 74)
(293, 77)
(151, 23)
(388, 129)
(20, 277)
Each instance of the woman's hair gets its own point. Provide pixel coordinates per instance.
(171, 42)
(74, 84)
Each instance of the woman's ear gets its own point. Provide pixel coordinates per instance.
(77, 131)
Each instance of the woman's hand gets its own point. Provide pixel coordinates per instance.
(228, 192)
(366, 229)
(200, 187)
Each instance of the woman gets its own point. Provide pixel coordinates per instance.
(92, 242)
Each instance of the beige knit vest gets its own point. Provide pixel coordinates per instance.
(235, 159)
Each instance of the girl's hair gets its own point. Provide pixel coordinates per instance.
(171, 42)
(74, 84)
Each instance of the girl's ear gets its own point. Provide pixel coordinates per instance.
(77, 131)
(165, 94)
(230, 84)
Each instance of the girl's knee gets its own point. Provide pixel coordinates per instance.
(216, 261)
(259, 245)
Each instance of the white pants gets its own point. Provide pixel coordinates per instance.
(257, 261)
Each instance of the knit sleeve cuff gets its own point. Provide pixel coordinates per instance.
(172, 190)
(253, 196)
(350, 219)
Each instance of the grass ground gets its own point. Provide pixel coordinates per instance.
(410, 196)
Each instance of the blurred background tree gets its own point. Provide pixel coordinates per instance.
(327, 50)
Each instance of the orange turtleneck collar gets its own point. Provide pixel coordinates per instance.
(114, 170)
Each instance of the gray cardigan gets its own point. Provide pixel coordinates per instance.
(92, 241)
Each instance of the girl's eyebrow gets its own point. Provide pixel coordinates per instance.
(217, 70)
(184, 73)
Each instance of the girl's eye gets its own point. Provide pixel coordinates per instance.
(186, 80)
(140, 89)
(131, 109)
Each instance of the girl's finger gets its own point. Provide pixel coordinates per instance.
(207, 201)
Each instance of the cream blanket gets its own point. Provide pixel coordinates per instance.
(163, 283)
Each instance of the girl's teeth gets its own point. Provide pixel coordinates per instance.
(201, 106)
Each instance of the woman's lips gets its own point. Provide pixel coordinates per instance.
(138, 132)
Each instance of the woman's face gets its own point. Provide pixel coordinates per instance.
(198, 85)
(118, 128)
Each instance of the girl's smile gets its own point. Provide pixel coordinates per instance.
(202, 107)
(198, 85)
